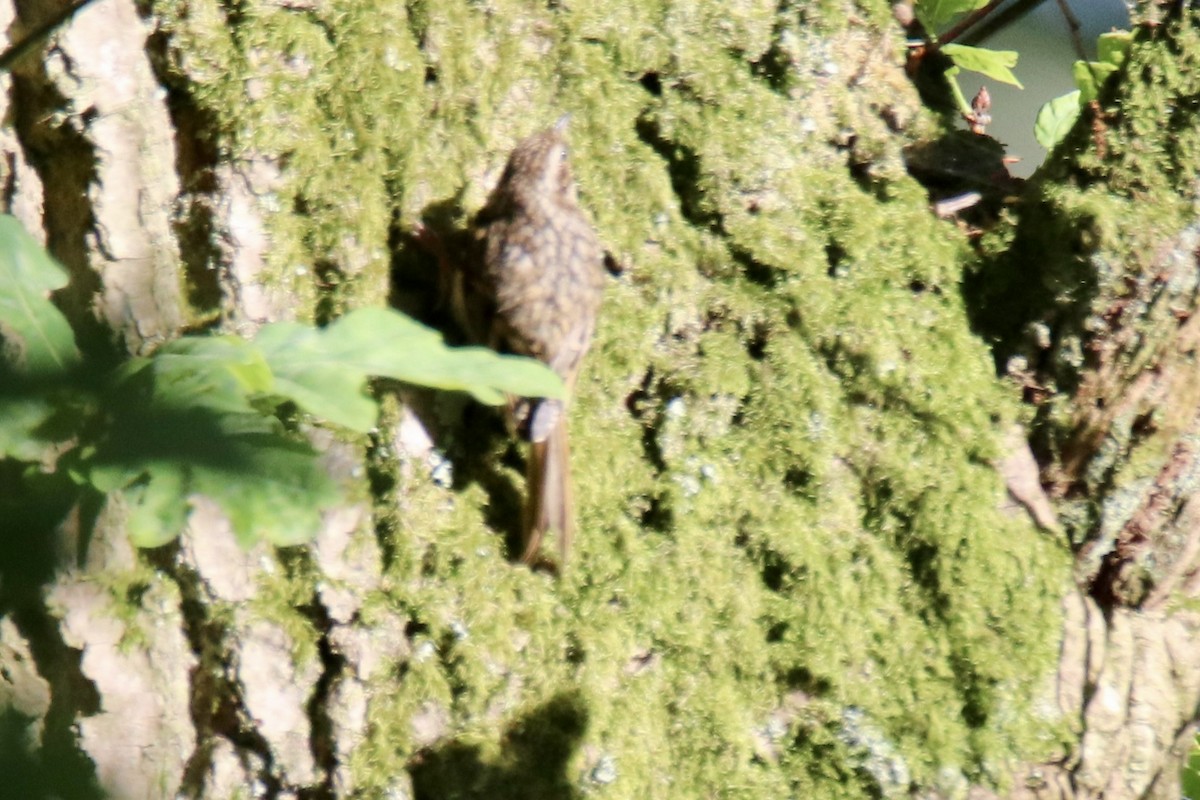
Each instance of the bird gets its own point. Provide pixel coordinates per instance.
(541, 276)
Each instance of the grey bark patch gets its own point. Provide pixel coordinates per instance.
(230, 572)
(244, 190)
(1022, 478)
(21, 187)
(1136, 676)
(276, 688)
(232, 773)
(107, 76)
(369, 653)
(430, 724)
(349, 561)
(142, 735)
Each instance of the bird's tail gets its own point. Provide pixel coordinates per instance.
(548, 485)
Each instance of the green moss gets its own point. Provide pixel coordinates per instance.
(280, 594)
(1088, 282)
(139, 600)
(790, 575)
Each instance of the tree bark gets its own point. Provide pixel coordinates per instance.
(795, 576)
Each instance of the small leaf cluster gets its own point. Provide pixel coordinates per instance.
(199, 417)
(936, 15)
(1057, 117)
(995, 64)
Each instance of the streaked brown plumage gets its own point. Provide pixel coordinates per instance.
(543, 272)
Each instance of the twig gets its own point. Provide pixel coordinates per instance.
(25, 46)
(1073, 27)
(952, 34)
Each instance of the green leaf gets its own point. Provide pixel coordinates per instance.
(38, 340)
(1056, 118)
(106, 477)
(209, 360)
(1090, 77)
(269, 485)
(183, 423)
(1191, 773)
(20, 417)
(1113, 47)
(277, 494)
(156, 508)
(935, 15)
(311, 371)
(217, 372)
(486, 375)
(415, 354)
(386, 343)
(996, 64)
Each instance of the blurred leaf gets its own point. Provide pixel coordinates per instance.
(218, 355)
(277, 493)
(156, 508)
(323, 369)
(936, 15)
(216, 372)
(182, 421)
(1090, 77)
(415, 354)
(311, 371)
(20, 417)
(485, 374)
(194, 367)
(996, 64)
(1113, 47)
(269, 485)
(38, 340)
(1191, 773)
(1055, 119)
(41, 418)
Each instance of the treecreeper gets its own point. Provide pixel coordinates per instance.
(540, 276)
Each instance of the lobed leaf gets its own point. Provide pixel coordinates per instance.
(277, 493)
(483, 373)
(20, 417)
(996, 64)
(313, 375)
(269, 485)
(38, 340)
(325, 371)
(184, 423)
(156, 508)
(220, 373)
(417, 355)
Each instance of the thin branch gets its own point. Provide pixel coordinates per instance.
(22, 48)
(1073, 27)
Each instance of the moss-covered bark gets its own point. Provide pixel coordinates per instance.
(792, 575)
(1091, 295)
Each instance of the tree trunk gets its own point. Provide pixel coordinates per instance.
(795, 573)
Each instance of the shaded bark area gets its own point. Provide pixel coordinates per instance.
(1103, 335)
(794, 576)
